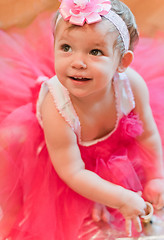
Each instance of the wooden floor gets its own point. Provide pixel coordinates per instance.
(149, 13)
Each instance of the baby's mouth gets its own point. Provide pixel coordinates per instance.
(80, 79)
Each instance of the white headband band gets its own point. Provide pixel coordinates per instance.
(121, 27)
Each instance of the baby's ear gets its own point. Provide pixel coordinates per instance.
(126, 60)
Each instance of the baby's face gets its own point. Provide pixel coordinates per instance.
(85, 57)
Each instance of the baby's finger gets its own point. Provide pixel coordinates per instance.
(128, 227)
(160, 203)
(96, 213)
(105, 215)
(137, 224)
(154, 201)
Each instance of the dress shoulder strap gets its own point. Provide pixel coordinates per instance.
(62, 102)
(124, 94)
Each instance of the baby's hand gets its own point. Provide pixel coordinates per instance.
(154, 193)
(133, 207)
(100, 212)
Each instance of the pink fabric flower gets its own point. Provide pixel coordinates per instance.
(131, 125)
(80, 11)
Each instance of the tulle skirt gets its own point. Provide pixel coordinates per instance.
(31, 193)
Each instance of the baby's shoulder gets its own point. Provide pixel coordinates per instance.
(137, 82)
(49, 110)
(138, 86)
(134, 77)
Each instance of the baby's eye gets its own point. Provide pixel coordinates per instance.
(96, 52)
(66, 48)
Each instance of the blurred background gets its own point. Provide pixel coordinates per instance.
(149, 13)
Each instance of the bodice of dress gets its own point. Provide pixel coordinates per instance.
(123, 98)
(107, 156)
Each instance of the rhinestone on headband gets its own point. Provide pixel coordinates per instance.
(78, 12)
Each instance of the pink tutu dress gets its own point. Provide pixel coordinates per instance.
(35, 203)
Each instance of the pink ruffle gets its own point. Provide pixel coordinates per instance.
(131, 126)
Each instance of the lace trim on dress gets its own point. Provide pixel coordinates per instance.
(118, 112)
(62, 102)
(124, 103)
(42, 94)
(123, 97)
(127, 102)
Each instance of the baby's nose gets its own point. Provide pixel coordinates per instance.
(78, 62)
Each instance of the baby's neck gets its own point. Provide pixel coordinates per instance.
(93, 101)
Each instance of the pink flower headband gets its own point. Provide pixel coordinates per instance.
(78, 12)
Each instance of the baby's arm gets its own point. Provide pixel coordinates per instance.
(66, 159)
(150, 140)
